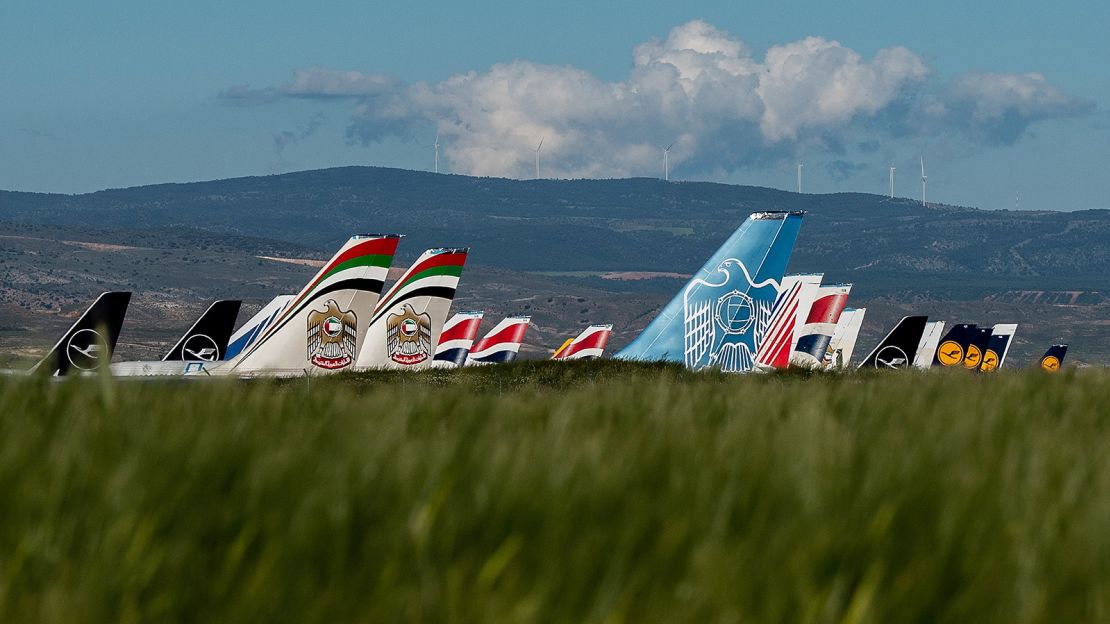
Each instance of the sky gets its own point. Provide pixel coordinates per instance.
(1007, 102)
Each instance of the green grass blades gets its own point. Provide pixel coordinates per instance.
(558, 492)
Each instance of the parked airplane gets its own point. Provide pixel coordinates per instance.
(1053, 359)
(588, 345)
(843, 343)
(954, 345)
(720, 318)
(927, 348)
(816, 334)
(502, 342)
(1002, 335)
(206, 340)
(88, 344)
(980, 338)
(252, 329)
(796, 295)
(897, 348)
(457, 339)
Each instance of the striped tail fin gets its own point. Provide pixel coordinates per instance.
(588, 345)
(843, 343)
(323, 326)
(502, 342)
(794, 300)
(1053, 359)
(457, 338)
(720, 318)
(207, 339)
(927, 348)
(253, 328)
(407, 323)
(899, 346)
(816, 334)
(955, 344)
(89, 343)
(1002, 335)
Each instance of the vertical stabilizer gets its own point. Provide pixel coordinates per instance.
(588, 345)
(795, 297)
(1053, 359)
(253, 328)
(954, 345)
(502, 342)
(457, 339)
(721, 316)
(816, 334)
(843, 343)
(89, 343)
(980, 338)
(899, 346)
(927, 348)
(406, 325)
(207, 339)
(1002, 335)
(323, 327)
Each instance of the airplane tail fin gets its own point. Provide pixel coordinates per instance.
(502, 342)
(816, 334)
(457, 338)
(720, 317)
(1053, 359)
(927, 348)
(795, 298)
(955, 344)
(588, 345)
(406, 325)
(843, 343)
(323, 326)
(973, 359)
(207, 339)
(1002, 335)
(89, 343)
(897, 349)
(253, 328)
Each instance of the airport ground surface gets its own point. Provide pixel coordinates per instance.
(556, 492)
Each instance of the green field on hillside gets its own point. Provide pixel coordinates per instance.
(541, 492)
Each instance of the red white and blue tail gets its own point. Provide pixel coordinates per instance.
(502, 342)
(838, 355)
(794, 300)
(816, 334)
(457, 338)
(588, 345)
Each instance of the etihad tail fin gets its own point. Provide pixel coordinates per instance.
(253, 328)
(406, 325)
(795, 298)
(720, 318)
(1002, 335)
(955, 344)
(815, 335)
(899, 346)
(457, 339)
(588, 345)
(207, 339)
(838, 355)
(1053, 359)
(502, 342)
(927, 348)
(980, 338)
(323, 327)
(89, 343)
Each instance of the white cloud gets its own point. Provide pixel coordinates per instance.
(699, 86)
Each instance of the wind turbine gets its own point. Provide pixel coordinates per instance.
(538, 157)
(436, 145)
(892, 170)
(666, 164)
(800, 166)
(924, 181)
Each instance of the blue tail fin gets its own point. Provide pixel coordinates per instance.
(1053, 359)
(719, 318)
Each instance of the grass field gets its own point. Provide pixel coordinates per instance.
(541, 493)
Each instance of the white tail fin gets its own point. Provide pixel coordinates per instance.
(843, 343)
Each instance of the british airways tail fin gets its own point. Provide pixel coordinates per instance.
(816, 333)
(457, 339)
(899, 346)
(955, 344)
(406, 324)
(253, 328)
(322, 328)
(927, 348)
(207, 339)
(796, 295)
(1053, 359)
(843, 343)
(588, 345)
(502, 342)
(1002, 335)
(720, 318)
(89, 343)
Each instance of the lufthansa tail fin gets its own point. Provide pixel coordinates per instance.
(253, 328)
(457, 339)
(980, 338)
(407, 323)
(899, 346)
(927, 348)
(1053, 359)
(955, 344)
(89, 343)
(502, 342)
(1002, 335)
(720, 317)
(207, 339)
(843, 343)
(588, 345)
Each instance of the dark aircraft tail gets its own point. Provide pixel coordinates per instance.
(207, 339)
(900, 345)
(980, 339)
(89, 343)
(1053, 359)
(953, 346)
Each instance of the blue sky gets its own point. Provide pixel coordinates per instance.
(127, 93)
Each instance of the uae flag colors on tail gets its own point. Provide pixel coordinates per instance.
(588, 345)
